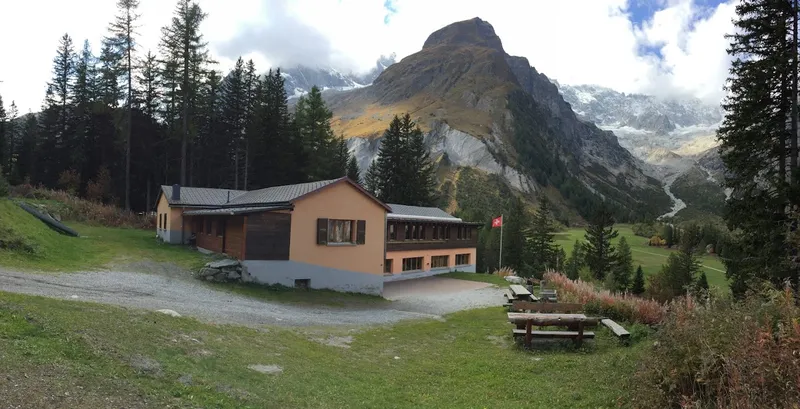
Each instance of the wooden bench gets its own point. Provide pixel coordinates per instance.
(617, 329)
(549, 320)
(548, 295)
(546, 307)
(520, 292)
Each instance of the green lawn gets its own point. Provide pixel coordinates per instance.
(484, 278)
(97, 247)
(73, 354)
(650, 258)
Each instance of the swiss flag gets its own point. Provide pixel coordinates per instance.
(497, 221)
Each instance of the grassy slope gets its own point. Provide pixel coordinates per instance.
(97, 246)
(650, 258)
(78, 354)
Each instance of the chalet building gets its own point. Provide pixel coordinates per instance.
(329, 234)
(421, 240)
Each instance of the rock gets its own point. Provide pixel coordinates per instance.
(234, 275)
(171, 313)
(268, 369)
(207, 271)
(223, 263)
(230, 270)
(185, 379)
(209, 278)
(515, 280)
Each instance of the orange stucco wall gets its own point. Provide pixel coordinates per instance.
(398, 256)
(339, 201)
(174, 219)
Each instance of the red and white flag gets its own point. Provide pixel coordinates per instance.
(497, 221)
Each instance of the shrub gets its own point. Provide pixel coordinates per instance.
(505, 272)
(619, 307)
(70, 181)
(724, 354)
(13, 242)
(99, 189)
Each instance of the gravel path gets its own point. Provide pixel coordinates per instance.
(192, 298)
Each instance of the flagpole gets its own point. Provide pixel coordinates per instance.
(502, 222)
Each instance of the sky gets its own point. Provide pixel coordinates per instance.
(660, 47)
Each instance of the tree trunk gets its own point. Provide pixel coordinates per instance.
(130, 120)
(246, 162)
(185, 92)
(236, 165)
(793, 149)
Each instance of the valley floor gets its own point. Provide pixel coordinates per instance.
(650, 258)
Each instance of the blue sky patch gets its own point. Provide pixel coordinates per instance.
(391, 9)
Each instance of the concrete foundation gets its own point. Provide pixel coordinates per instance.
(319, 277)
(169, 236)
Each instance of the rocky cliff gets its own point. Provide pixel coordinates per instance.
(484, 109)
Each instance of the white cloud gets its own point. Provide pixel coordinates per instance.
(576, 41)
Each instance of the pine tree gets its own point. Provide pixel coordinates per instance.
(12, 137)
(83, 144)
(185, 55)
(638, 282)
(403, 171)
(57, 114)
(234, 114)
(542, 249)
(3, 136)
(352, 169)
(514, 238)
(575, 262)
(600, 253)
(108, 87)
(623, 267)
(702, 283)
(123, 32)
(313, 122)
(759, 138)
(147, 93)
(342, 156)
(24, 168)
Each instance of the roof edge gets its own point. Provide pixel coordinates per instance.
(352, 183)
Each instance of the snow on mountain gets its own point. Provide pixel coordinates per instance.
(644, 123)
(300, 79)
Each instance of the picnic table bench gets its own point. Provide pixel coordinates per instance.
(575, 322)
(617, 329)
(517, 292)
(546, 307)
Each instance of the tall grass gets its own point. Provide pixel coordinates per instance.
(602, 302)
(725, 354)
(73, 208)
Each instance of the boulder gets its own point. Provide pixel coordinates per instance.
(219, 264)
(515, 280)
(234, 275)
(171, 313)
(207, 271)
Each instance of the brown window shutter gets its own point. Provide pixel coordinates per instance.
(322, 231)
(361, 232)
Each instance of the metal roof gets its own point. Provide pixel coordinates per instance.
(420, 213)
(201, 196)
(230, 211)
(280, 194)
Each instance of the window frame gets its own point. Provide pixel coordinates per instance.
(387, 266)
(331, 232)
(220, 227)
(412, 262)
(445, 257)
(463, 257)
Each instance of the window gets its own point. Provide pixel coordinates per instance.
(440, 261)
(393, 232)
(407, 231)
(387, 266)
(207, 230)
(421, 232)
(447, 235)
(462, 259)
(220, 227)
(340, 231)
(411, 264)
(468, 232)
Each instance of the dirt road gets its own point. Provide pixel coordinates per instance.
(192, 298)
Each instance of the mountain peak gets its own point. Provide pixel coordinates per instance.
(474, 32)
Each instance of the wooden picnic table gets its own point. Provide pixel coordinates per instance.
(574, 322)
(521, 292)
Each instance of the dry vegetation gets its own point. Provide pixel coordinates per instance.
(73, 208)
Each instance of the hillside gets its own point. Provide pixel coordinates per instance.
(487, 110)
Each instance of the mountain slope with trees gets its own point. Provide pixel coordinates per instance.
(484, 109)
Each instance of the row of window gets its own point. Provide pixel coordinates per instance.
(415, 263)
(398, 231)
